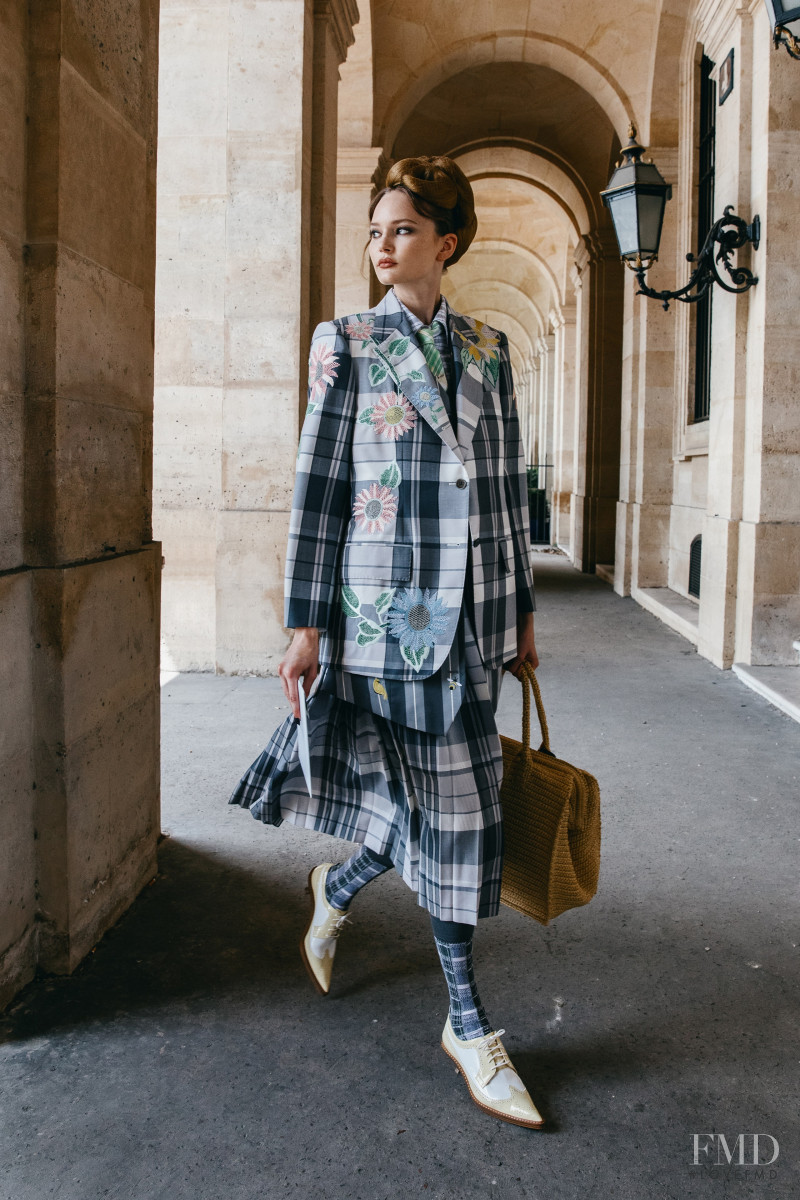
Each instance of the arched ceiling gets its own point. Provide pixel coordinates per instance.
(512, 100)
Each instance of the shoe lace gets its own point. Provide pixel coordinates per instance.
(337, 926)
(494, 1050)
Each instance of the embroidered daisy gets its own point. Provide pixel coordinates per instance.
(359, 329)
(393, 416)
(425, 397)
(375, 508)
(322, 366)
(417, 618)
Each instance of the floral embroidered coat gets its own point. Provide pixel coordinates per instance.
(391, 508)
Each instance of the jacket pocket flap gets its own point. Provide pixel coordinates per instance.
(376, 562)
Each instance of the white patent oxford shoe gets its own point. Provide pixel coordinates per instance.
(319, 941)
(493, 1083)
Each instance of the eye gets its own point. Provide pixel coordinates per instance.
(404, 229)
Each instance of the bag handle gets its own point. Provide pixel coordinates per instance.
(531, 683)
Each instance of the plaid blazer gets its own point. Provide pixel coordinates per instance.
(391, 508)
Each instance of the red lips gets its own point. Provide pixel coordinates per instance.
(386, 262)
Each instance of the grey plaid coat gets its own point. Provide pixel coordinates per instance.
(392, 508)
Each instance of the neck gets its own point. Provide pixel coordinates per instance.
(422, 299)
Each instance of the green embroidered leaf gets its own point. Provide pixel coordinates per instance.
(377, 373)
(366, 415)
(369, 632)
(398, 347)
(491, 368)
(310, 408)
(383, 601)
(391, 477)
(417, 376)
(415, 658)
(351, 605)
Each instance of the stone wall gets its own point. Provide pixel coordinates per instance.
(80, 573)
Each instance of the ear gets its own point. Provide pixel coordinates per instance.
(448, 247)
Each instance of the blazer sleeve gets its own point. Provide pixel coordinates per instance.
(516, 488)
(321, 500)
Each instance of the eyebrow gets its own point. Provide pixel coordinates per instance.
(399, 221)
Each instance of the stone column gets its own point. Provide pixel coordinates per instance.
(357, 169)
(81, 601)
(768, 588)
(564, 427)
(598, 423)
(252, 261)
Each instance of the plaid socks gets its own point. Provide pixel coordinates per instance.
(466, 1011)
(349, 877)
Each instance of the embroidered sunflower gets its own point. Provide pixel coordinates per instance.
(375, 508)
(479, 346)
(417, 619)
(392, 416)
(322, 370)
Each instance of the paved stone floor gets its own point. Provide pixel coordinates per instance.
(190, 1057)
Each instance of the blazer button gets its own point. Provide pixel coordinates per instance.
(461, 483)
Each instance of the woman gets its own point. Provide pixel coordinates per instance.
(408, 586)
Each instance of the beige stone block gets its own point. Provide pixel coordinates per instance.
(202, 228)
(190, 290)
(15, 665)
(107, 45)
(13, 85)
(260, 225)
(264, 350)
(260, 287)
(188, 353)
(188, 605)
(111, 779)
(12, 503)
(85, 489)
(17, 844)
(251, 554)
(102, 212)
(259, 449)
(776, 594)
(104, 339)
(265, 67)
(12, 316)
(188, 442)
(103, 663)
(193, 76)
(191, 165)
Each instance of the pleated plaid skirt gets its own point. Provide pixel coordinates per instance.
(431, 802)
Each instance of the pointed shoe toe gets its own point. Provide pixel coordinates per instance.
(493, 1083)
(318, 945)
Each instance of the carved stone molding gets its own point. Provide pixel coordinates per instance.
(342, 16)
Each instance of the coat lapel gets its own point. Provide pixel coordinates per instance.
(477, 363)
(396, 350)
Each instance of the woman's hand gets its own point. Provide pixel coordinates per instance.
(301, 659)
(526, 646)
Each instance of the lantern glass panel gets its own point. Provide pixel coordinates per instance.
(626, 223)
(651, 216)
(786, 14)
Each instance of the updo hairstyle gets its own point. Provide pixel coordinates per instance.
(438, 189)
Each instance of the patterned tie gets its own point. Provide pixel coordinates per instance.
(427, 336)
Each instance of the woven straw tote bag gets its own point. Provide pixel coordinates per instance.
(551, 819)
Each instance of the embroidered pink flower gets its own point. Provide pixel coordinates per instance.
(393, 416)
(359, 329)
(375, 508)
(321, 371)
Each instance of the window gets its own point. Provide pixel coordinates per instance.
(695, 554)
(705, 219)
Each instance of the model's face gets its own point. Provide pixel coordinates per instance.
(404, 247)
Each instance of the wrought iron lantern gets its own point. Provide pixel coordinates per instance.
(636, 197)
(785, 21)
